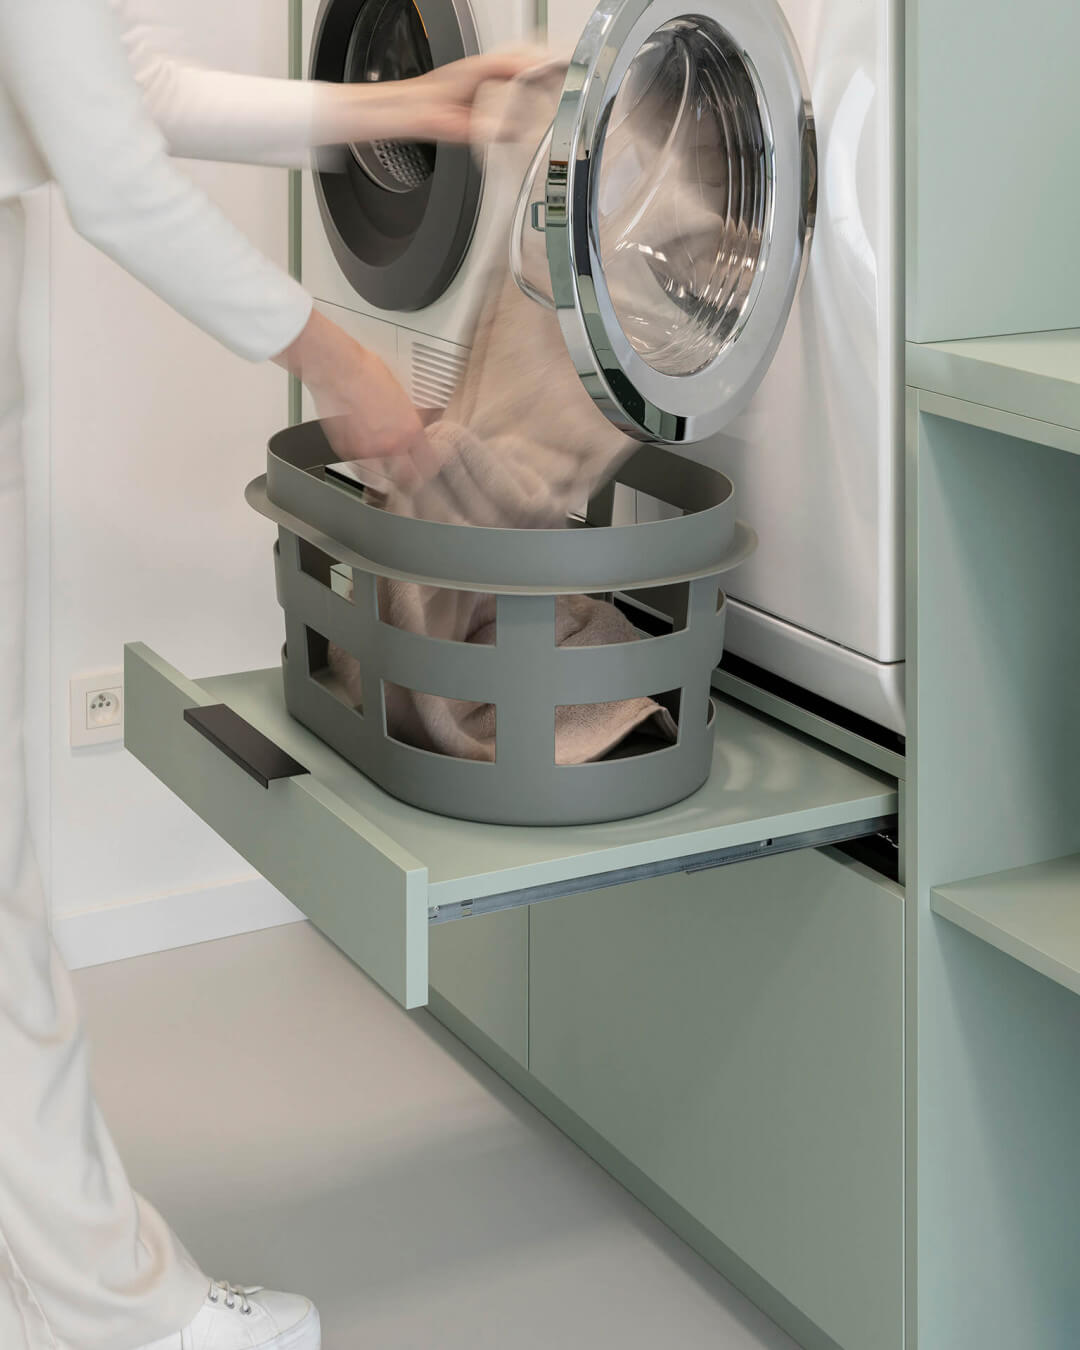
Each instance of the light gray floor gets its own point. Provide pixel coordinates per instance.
(302, 1132)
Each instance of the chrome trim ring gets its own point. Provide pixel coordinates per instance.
(642, 400)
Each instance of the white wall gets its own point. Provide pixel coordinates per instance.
(138, 518)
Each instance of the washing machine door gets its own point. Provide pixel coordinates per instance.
(399, 215)
(680, 188)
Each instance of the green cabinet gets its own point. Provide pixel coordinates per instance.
(727, 1041)
(990, 127)
(737, 1035)
(994, 811)
(377, 876)
(480, 967)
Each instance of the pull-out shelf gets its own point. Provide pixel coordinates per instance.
(373, 874)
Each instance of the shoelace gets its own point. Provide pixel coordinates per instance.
(231, 1294)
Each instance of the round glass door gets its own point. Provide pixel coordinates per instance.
(679, 203)
(399, 215)
(390, 42)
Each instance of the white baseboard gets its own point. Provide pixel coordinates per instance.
(162, 922)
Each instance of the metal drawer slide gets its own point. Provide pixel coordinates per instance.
(698, 862)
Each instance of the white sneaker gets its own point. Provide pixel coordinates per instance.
(248, 1319)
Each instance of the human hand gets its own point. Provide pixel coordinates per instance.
(442, 105)
(444, 102)
(365, 412)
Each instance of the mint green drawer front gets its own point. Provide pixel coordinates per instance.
(738, 1036)
(366, 893)
(379, 876)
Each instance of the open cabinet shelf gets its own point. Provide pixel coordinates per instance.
(374, 873)
(1025, 384)
(1030, 913)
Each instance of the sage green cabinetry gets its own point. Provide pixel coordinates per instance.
(737, 1036)
(480, 967)
(994, 831)
(991, 190)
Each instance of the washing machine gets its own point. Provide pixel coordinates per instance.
(392, 233)
(808, 397)
(719, 203)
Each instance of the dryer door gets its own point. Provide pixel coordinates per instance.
(399, 215)
(679, 204)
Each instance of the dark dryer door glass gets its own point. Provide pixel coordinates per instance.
(399, 215)
(679, 196)
(389, 42)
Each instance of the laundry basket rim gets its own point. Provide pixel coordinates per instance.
(744, 542)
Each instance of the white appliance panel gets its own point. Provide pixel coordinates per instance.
(872, 689)
(565, 20)
(816, 458)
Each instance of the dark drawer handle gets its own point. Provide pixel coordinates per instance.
(243, 744)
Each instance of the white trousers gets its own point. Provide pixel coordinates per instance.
(85, 1264)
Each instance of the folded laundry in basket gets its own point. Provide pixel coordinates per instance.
(521, 445)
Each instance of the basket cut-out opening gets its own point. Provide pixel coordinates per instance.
(438, 613)
(654, 611)
(413, 717)
(626, 728)
(326, 570)
(349, 693)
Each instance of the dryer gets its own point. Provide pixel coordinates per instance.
(794, 390)
(391, 232)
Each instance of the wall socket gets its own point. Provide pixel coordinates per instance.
(97, 708)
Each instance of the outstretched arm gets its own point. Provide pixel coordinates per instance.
(252, 119)
(64, 66)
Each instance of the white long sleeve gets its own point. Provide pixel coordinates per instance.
(226, 116)
(64, 70)
(219, 114)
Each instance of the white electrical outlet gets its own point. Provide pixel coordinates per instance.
(97, 708)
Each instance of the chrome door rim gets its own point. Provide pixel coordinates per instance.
(640, 399)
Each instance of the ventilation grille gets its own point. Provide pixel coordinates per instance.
(435, 375)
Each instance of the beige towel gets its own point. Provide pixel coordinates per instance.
(522, 445)
(478, 473)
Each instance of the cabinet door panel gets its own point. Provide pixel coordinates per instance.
(481, 967)
(738, 1036)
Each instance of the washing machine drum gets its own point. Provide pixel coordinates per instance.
(676, 193)
(399, 215)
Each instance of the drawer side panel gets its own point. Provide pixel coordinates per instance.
(372, 903)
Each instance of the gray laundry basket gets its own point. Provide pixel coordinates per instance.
(672, 566)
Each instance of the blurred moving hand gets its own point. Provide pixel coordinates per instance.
(439, 106)
(366, 412)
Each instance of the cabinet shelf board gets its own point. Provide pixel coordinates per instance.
(1030, 375)
(1030, 913)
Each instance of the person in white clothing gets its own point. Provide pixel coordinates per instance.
(85, 1264)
